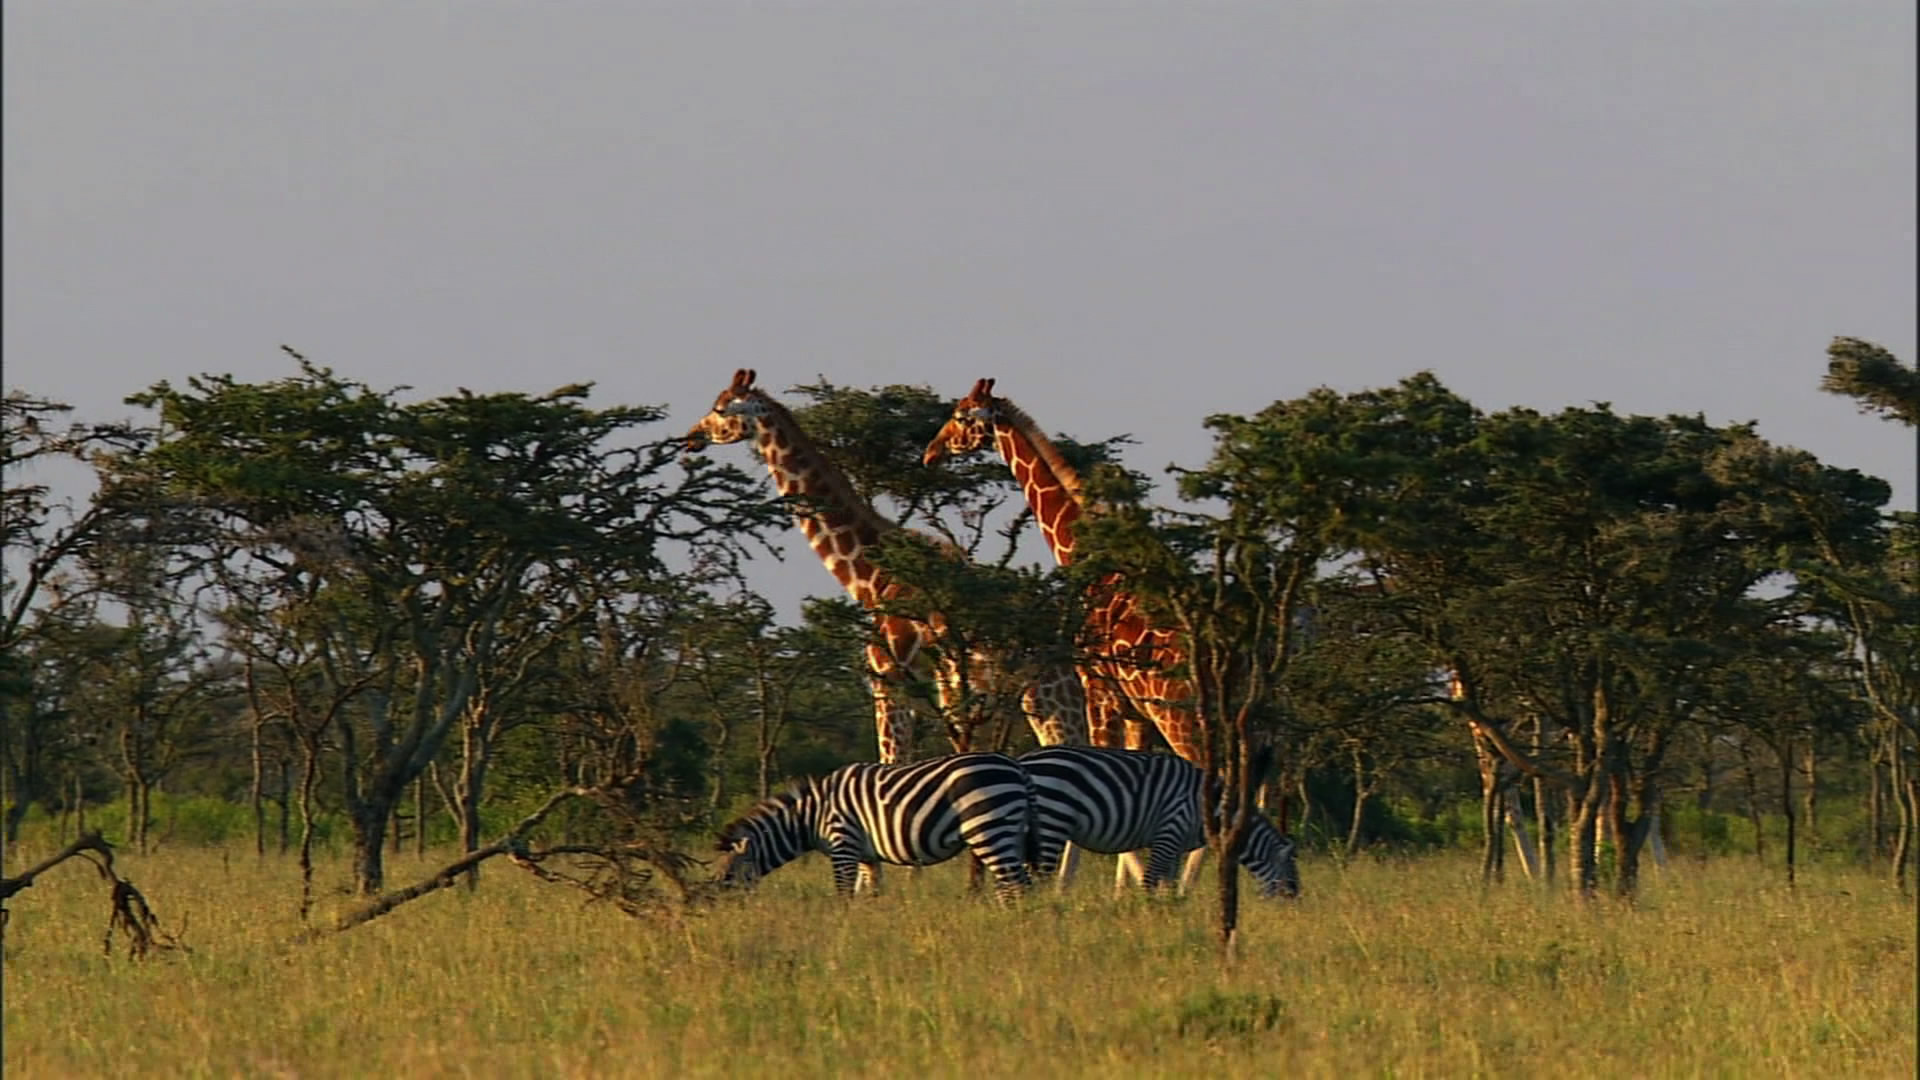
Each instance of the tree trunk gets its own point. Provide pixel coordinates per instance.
(1523, 843)
(1753, 806)
(286, 800)
(420, 815)
(1583, 816)
(1904, 793)
(1786, 803)
(1493, 826)
(256, 793)
(1491, 823)
(369, 824)
(16, 813)
(717, 766)
(1626, 839)
(1229, 871)
(1876, 807)
(1361, 792)
(1809, 795)
(309, 777)
(1656, 835)
(475, 753)
(1907, 832)
(1541, 805)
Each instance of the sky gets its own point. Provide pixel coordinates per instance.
(1131, 214)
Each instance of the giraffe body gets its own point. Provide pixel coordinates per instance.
(1125, 680)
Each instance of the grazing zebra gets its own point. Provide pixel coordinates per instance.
(910, 815)
(1110, 801)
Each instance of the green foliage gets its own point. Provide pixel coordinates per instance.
(384, 561)
(1869, 374)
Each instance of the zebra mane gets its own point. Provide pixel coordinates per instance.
(733, 830)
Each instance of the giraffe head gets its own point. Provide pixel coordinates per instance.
(969, 429)
(733, 415)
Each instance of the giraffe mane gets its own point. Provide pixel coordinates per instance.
(839, 489)
(1050, 455)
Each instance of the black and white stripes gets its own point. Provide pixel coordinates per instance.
(1015, 815)
(1111, 801)
(915, 814)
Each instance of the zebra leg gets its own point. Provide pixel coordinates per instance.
(1162, 857)
(845, 870)
(1003, 852)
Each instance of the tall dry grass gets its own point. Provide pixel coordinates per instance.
(1385, 968)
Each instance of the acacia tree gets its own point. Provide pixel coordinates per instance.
(1362, 695)
(1230, 583)
(748, 667)
(1871, 586)
(41, 538)
(1595, 570)
(433, 520)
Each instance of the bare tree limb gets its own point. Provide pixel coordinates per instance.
(131, 914)
(90, 842)
(448, 874)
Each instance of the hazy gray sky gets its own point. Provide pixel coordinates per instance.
(1131, 214)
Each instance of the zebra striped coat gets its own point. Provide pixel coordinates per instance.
(913, 815)
(1110, 801)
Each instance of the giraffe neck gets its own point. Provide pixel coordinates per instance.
(1051, 486)
(839, 525)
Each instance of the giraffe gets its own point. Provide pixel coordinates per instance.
(1126, 680)
(842, 528)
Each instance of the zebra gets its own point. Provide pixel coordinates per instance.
(1111, 801)
(910, 815)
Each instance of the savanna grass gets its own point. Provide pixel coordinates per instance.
(1384, 968)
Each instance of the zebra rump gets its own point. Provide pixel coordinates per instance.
(915, 814)
(1111, 801)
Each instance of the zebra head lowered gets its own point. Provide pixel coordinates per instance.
(774, 833)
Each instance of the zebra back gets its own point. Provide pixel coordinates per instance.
(1111, 800)
(913, 814)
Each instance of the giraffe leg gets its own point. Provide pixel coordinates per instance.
(1191, 872)
(1056, 709)
(892, 726)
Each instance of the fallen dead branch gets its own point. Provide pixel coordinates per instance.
(90, 842)
(131, 915)
(622, 874)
